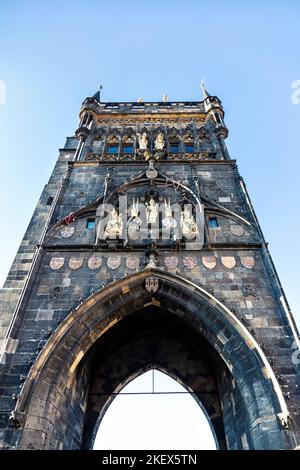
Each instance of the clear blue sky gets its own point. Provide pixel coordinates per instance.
(53, 54)
(163, 421)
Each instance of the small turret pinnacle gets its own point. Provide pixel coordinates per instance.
(97, 95)
(204, 91)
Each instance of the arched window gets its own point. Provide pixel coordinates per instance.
(174, 147)
(189, 147)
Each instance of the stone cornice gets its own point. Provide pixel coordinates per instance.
(141, 162)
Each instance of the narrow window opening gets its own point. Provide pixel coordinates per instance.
(113, 149)
(189, 148)
(174, 148)
(90, 224)
(128, 148)
(213, 222)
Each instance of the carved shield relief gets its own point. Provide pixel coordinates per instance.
(248, 261)
(171, 262)
(114, 262)
(237, 230)
(94, 262)
(190, 262)
(209, 262)
(75, 263)
(228, 261)
(151, 284)
(56, 263)
(67, 232)
(132, 262)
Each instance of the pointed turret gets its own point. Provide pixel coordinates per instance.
(97, 95)
(213, 108)
(204, 91)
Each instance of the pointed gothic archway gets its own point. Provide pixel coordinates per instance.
(122, 330)
(154, 411)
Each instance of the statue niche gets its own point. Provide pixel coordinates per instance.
(159, 142)
(114, 225)
(143, 141)
(188, 223)
(134, 223)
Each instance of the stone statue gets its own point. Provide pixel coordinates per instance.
(135, 208)
(134, 223)
(169, 221)
(152, 262)
(168, 210)
(143, 141)
(114, 225)
(188, 224)
(159, 142)
(151, 211)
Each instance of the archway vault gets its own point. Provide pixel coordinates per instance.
(163, 413)
(54, 401)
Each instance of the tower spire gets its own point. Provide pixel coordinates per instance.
(204, 91)
(97, 95)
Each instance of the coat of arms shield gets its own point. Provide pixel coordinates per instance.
(94, 262)
(75, 263)
(114, 262)
(56, 263)
(171, 262)
(228, 261)
(190, 262)
(248, 261)
(132, 262)
(237, 230)
(151, 284)
(209, 262)
(67, 232)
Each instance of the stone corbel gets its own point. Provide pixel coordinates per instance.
(284, 419)
(17, 418)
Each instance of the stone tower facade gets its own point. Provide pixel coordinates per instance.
(145, 251)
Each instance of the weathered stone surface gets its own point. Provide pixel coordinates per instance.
(84, 300)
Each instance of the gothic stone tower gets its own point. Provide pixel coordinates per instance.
(144, 251)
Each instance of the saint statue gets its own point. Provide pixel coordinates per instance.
(151, 211)
(134, 223)
(143, 141)
(168, 210)
(135, 208)
(168, 221)
(159, 142)
(114, 225)
(152, 262)
(188, 224)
